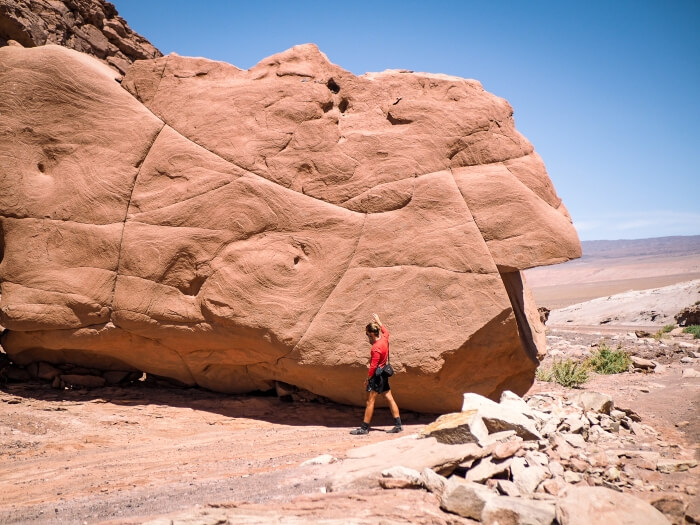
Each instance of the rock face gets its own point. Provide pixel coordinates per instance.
(90, 26)
(231, 228)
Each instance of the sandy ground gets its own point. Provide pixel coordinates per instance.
(585, 279)
(68, 456)
(655, 307)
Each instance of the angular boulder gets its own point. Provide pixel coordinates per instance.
(231, 228)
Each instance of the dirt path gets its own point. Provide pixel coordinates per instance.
(70, 456)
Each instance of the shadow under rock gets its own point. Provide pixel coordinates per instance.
(261, 406)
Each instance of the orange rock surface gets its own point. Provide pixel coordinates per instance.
(231, 228)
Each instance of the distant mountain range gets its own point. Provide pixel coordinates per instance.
(656, 246)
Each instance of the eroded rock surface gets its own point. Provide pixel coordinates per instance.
(232, 228)
(90, 26)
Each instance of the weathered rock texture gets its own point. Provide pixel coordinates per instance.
(232, 228)
(90, 26)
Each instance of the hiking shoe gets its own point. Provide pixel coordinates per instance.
(359, 431)
(395, 430)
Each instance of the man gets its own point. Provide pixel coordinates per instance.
(378, 384)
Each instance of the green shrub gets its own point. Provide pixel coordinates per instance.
(567, 373)
(544, 374)
(666, 329)
(608, 361)
(693, 329)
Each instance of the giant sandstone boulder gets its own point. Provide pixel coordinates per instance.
(231, 228)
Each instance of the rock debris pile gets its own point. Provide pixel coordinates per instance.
(550, 459)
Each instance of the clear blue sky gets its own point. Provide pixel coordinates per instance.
(607, 91)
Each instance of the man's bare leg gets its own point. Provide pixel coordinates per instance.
(398, 427)
(369, 408)
(392, 405)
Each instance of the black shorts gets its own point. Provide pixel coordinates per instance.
(379, 384)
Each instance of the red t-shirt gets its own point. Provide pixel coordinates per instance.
(380, 352)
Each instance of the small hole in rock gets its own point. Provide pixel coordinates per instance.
(343, 106)
(333, 86)
(327, 106)
(41, 167)
(297, 259)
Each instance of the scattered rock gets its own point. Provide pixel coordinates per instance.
(587, 505)
(86, 381)
(643, 364)
(503, 510)
(115, 377)
(433, 481)
(527, 476)
(16, 374)
(507, 488)
(673, 506)
(667, 466)
(465, 498)
(497, 417)
(594, 401)
(507, 449)
(689, 372)
(690, 315)
(323, 459)
(456, 428)
(487, 468)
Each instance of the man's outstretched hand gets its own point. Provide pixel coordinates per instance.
(376, 319)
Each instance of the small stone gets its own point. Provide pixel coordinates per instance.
(556, 469)
(552, 486)
(666, 466)
(612, 474)
(487, 468)
(433, 481)
(572, 477)
(507, 449)
(687, 360)
(324, 459)
(598, 459)
(617, 414)
(507, 488)
(689, 372)
(457, 428)
(114, 377)
(465, 498)
(46, 371)
(682, 424)
(643, 364)
(673, 506)
(527, 476)
(87, 381)
(578, 464)
(595, 402)
(575, 440)
(587, 505)
(505, 509)
(637, 429)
